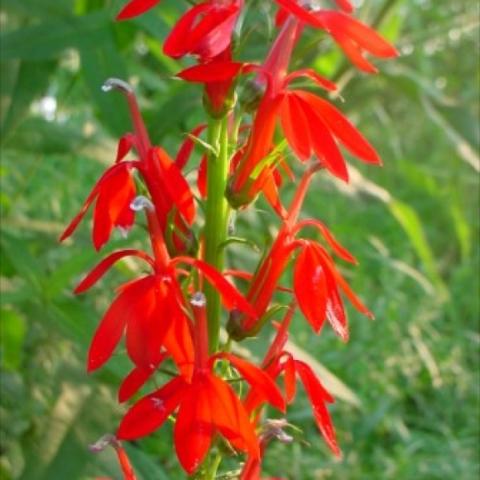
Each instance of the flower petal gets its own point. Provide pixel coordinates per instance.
(341, 251)
(258, 380)
(125, 144)
(137, 378)
(362, 34)
(341, 127)
(312, 75)
(310, 286)
(216, 71)
(187, 147)
(114, 197)
(231, 418)
(111, 327)
(135, 8)
(295, 127)
(231, 297)
(151, 411)
(101, 268)
(318, 396)
(194, 428)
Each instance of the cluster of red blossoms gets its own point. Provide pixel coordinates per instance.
(172, 315)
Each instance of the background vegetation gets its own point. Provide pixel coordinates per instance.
(408, 383)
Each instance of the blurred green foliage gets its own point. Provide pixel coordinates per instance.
(413, 225)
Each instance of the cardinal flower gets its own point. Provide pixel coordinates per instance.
(311, 125)
(315, 278)
(116, 189)
(206, 404)
(277, 361)
(353, 36)
(147, 309)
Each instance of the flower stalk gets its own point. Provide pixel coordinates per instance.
(216, 219)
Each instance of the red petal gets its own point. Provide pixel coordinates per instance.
(151, 411)
(281, 337)
(356, 302)
(258, 380)
(341, 251)
(112, 325)
(187, 147)
(354, 53)
(324, 145)
(362, 34)
(116, 194)
(125, 144)
(345, 5)
(179, 344)
(137, 378)
(211, 72)
(150, 320)
(310, 286)
(290, 379)
(175, 184)
(91, 196)
(334, 310)
(231, 297)
(342, 128)
(101, 268)
(212, 35)
(318, 396)
(133, 382)
(135, 8)
(272, 196)
(305, 16)
(312, 75)
(194, 429)
(231, 418)
(177, 43)
(295, 128)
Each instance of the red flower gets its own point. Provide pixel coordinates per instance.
(315, 276)
(206, 405)
(205, 30)
(218, 76)
(353, 36)
(278, 361)
(113, 194)
(115, 190)
(311, 125)
(149, 310)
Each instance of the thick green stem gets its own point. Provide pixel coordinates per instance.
(216, 220)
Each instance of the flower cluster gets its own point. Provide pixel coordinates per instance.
(173, 313)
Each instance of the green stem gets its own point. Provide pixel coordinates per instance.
(216, 220)
(215, 463)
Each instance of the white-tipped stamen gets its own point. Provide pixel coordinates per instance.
(117, 84)
(198, 299)
(141, 203)
(102, 443)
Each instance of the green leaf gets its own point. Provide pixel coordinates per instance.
(98, 65)
(13, 329)
(49, 39)
(32, 80)
(412, 225)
